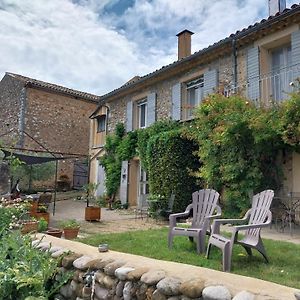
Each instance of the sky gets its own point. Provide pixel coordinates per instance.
(96, 46)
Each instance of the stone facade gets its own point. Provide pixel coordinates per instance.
(58, 121)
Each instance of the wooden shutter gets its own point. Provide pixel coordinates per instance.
(253, 74)
(100, 180)
(176, 101)
(210, 82)
(129, 111)
(124, 182)
(295, 42)
(151, 109)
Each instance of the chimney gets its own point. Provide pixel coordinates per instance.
(276, 6)
(184, 43)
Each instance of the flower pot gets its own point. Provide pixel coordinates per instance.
(54, 232)
(44, 215)
(71, 233)
(92, 213)
(30, 226)
(33, 208)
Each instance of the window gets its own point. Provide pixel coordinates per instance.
(142, 113)
(101, 123)
(194, 94)
(281, 62)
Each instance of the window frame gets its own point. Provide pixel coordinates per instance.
(99, 119)
(139, 104)
(194, 84)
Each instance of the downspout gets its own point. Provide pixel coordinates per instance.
(234, 64)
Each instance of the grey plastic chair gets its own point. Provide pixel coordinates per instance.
(259, 216)
(205, 203)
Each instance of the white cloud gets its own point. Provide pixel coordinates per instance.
(82, 44)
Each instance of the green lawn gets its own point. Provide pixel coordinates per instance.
(284, 266)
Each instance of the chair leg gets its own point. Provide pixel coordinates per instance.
(227, 250)
(248, 250)
(170, 240)
(208, 250)
(261, 249)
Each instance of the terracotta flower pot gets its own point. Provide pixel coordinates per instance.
(44, 215)
(54, 232)
(31, 226)
(71, 233)
(92, 213)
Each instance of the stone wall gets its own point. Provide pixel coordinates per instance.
(10, 102)
(114, 275)
(58, 122)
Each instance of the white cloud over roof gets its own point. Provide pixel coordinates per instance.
(86, 45)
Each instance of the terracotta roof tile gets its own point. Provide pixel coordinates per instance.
(54, 87)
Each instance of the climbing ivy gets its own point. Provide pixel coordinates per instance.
(238, 146)
(171, 164)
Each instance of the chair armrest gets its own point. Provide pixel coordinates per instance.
(174, 217)
(218, 222)
(217, 215)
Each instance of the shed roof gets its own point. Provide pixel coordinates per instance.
(31, 82)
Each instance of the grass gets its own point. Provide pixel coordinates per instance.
(284, 266)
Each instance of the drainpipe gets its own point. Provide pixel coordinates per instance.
(234, 62)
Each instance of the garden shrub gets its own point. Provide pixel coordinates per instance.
(143, 136)
(170, 163)
(290, 122)
(238, 146)
(26, 271)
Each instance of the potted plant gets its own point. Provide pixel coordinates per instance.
(30, 225)
(70, 228)
(42, 225)
(93, 203)
(42, 212)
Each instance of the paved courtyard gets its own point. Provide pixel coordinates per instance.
(125, 220)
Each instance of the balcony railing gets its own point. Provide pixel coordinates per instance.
(270, 88)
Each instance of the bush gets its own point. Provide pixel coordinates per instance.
(26, 271)
(170, 163)
(238, 146)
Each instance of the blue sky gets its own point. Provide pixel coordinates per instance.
(97, 45)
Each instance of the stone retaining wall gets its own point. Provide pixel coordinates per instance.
(114, 275)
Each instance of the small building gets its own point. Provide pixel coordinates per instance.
(259, 62)
(41, 116)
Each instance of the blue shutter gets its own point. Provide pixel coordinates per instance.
(253, 73)
(295, 41)
(151, 109)
(129, 108)
(176, 101)
(210, 82)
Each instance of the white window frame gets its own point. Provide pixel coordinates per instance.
(196, 85)
(140, 104)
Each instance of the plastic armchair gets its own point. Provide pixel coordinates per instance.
(205, 203)
(258, 216)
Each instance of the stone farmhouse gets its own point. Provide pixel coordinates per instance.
(37, 115)
(259, 62)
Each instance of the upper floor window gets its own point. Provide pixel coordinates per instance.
(142, 113)
(101, 123)
(281, 72)
(194, 94)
